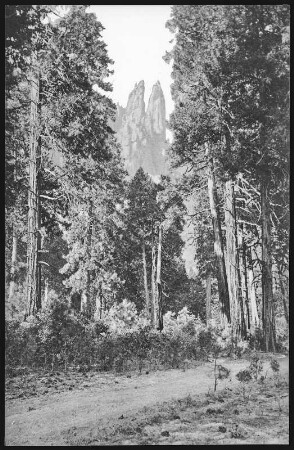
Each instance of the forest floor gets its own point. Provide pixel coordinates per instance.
(167, 407)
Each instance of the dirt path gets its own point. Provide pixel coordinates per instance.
(45, 420)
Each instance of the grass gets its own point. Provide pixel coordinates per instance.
(224, 417)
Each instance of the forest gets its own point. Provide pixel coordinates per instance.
(94, 269)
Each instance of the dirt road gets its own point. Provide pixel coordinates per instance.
(45, 420)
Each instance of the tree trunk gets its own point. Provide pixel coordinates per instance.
(13, 266)
(245, 280)
(283, 293)
(46, 288)
(99, 302)
(33, 280)
(267, 289)
(245, 318)
(154, 310)
(147, 299)
(251, 290)
(84, 302)
(88, 291)
(218, 245)
(231, 254)
(39, 241)
(208, 299)
(158, 280)
(242, 322)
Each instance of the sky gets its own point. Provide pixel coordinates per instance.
(137, 40)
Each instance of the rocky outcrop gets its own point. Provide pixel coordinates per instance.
(142, 134)
(155, 114)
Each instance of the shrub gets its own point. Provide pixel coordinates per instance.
(98, 328)
(207, 341)
(59, 338)
(282, 334)
(185, 321)
(124, 316)
(256, 340)
(275, 365)
(244, 375)
(241, 348)
(256, 366)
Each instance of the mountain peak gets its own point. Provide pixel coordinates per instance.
(142, 134)
(155, 114)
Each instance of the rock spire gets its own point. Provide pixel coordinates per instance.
(142, 134)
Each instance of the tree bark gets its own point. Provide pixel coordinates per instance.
(39, 238)
(158, 280)
(245, 280)
(154, 310)
(245, 317)
(13, 266)
(218, 244)
(99, 302)
(242, 322)
(33, 280)
(147, 299)
(208, 299)
(283, 293)
(46, 288)
(267, 289)
(231, 255)
(88, 300)
(251, 290)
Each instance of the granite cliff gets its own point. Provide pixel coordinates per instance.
(142, 133)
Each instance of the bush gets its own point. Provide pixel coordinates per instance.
(256, 340)
(256, 366)
(21, 338)
(244, 375)
(206, 340)
(282, 334)
(185, 322)
(121, 317)
(58, 338)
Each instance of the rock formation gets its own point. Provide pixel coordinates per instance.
(142, 134)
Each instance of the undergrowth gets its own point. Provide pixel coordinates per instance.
(57, 339)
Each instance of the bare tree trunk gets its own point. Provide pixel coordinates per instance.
(84, 302)
(208, 298)
(218, 245)
(147, 299)
(88, 299)
(231, 254)
(13, 266)
(33, 286)
(286, 313)
(245, 282)
(39, 242)
(46, 291)
(154, 310)
(99, 301)
(243, 275)
(158, 279)
(242, 322)
(267, 289)
(252, 296)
